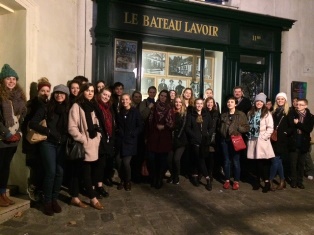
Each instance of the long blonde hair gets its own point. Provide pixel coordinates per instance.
(285, 109)
(182, 111)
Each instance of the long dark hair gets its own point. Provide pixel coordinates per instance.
(52, 103)
(81, 98)
(264, 111)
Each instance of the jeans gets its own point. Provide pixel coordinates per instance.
(124, 167)
(309, 166)
(52, 160)
(230, 155)
(297, 159)
(276, 166)
(5, 161)
(174, 158)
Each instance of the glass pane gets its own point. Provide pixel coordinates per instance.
(252, 83)
(252, 59)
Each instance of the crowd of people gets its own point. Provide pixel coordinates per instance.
(143, 139)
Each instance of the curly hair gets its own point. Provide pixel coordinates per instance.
(5, 92)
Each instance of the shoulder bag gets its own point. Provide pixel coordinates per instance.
(274, 136)
(238, 142)
(34, 137)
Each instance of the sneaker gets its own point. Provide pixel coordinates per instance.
(235, 185)
(310, 177)
(226, 185)
(33, 193)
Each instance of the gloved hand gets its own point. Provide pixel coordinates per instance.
(13, 138)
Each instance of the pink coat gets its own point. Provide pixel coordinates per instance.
(261, 148)
(90, 145)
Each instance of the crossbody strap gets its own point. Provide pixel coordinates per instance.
(279, 122)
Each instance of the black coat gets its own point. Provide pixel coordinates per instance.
(129, 125)
(197, 133)
(245, 105)
(179, 135)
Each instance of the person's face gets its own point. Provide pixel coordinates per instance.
(126, 101)
(280, 101)
(105, 96)
(59, 96)
(89, 93)
(187, 94)
(269, 105)
(172, 95)
(10, 82)
(301, 106)
(162, 81)
(44, 92)
(210, 104)
(100, 86)
(231, 104)
(178, 104)
(163, 97)
(152, 93)
(199, 105)
(118, 90)
(237, 93)
(259, 104)
(137, 98)
(295, 103)
(75, 89)
(209, 93)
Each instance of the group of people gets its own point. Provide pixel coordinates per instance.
(187, 136)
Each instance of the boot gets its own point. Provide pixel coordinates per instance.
(282, 184)
(209, 186)
(8, 200)
(48, 210)
(3, 202)
(272, 186)
(127, 186)
(266, 187)
(194, 181)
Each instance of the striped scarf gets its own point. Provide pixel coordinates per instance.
(301, 120)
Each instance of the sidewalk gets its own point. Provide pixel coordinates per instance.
(179, 209)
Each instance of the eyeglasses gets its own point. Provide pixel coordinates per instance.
(59, 93)
(301, 104)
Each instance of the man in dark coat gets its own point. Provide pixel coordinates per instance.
(244, 104)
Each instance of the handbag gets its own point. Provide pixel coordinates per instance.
(238, 142)
(273, 136)
(75, 150)
(34, 137)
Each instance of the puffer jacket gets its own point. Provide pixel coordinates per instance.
(237, 126)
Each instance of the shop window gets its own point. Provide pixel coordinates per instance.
(252, 83)
(246, 59)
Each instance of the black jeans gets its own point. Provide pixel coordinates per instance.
(5, 161)
(174, 158)
(297, 161)
(198, 160)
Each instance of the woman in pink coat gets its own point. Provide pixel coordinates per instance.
(259, 148)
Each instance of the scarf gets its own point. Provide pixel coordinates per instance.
(62, 123)
(162, 114)
(301, 120)
(18, 104)
(150, 100)
(105, 109)
(88, 108)
(254, 123)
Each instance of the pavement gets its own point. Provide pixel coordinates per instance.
(178, 209)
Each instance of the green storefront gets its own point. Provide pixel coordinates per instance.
(177, 44)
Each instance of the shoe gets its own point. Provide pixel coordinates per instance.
(208, 185)
(102, 191)
(169, 181)
(56, 207)
(127, 186)
(235, 185)
(293, 184)
(256, 184)
(226, 185)
(194, 181)
(159, 184)
(8, 200)
(273, 186)
(120, 186)
(33, 193)
(3, 202)
(48, 210)
(300, 186)
(78, 204)
(266, 187)
(310, 177)
(176, 181)
(97, 205)
(97, 194)
(108, 182)
(282, 185)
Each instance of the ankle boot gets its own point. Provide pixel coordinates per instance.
(272, 186)
(194, 181)
(127, 186)
(48, 210)
(266, 187)
(3, 202)
(209, 186)
(282, 184)
(8, 200)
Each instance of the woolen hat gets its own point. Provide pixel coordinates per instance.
(62, 88)
(7, 71)
(261, 97)
(282, 94)
(43, 82)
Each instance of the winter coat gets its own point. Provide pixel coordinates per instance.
(144, 109)
(284, 133)
(260, 147)
(129, 124)
(237, 126)
(245, 105)
(178, 133)
(303, 141)
(199, 133)
(76, 119)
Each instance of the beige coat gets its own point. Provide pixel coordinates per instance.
(90, 145)
(260, 148)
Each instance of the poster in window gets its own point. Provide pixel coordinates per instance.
(125, 55)
(208, 68)
(298, 90)
(146, 83)
(180, 65)
(154, 62)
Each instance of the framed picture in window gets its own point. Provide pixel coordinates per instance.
(208, 68)
(147, 82)
(125, 56)
(180, 65)
(154, 62)
(169, 84)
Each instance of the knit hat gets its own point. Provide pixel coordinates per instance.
(61, 88)
(7, 71)
(282, 94)
(43, 82)
(261, 97)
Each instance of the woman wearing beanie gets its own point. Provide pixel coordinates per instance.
(33, 159)
(52, 150)
(84, 127)
(283, 123)
(259, 148)
(12, 112)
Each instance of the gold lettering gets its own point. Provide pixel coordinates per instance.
(215, 31)
(205, 30)
(126, 14)
(186, 28)
(145, 20)
(159, 22)
(193, 29)
(153, 23)
(165, 24)
(178, 25)
(134, 18)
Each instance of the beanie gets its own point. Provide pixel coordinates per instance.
(61, 88)
(282, 94)
(43, 82)
(7, 71)
(261, 97)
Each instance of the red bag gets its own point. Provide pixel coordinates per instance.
(238, 142)
(144, 170)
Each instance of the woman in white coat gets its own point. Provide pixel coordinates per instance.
(259, 148)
